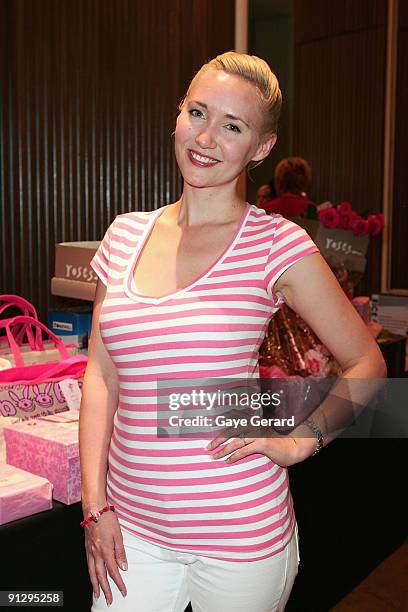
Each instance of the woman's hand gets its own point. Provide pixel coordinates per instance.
(283, 450)
(105, 554)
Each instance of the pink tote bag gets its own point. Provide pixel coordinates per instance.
(27, 309)
(29, 391)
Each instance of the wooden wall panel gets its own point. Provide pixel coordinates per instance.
(399, 255)
(339, 105)
(89, 95)
(322, 19)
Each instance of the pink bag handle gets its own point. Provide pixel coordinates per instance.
(36, 343)
(27, 309)
(28, 321)
(16, 300)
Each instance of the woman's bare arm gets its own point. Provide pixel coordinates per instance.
(103, 540)
(98, 406)
(310, 288)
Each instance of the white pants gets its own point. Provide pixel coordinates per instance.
(163, 580)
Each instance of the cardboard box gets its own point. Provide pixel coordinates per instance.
(73, 289)
(72, 326)
(48, 447)
(22, 494)
(338, 246)
(72, 261)
(74, 277)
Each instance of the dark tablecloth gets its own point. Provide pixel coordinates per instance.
(348, 503)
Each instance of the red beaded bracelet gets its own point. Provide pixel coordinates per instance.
(94, 516)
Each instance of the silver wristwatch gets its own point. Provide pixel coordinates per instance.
(318, 433)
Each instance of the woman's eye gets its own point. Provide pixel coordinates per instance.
(195, 112)
(233, 128)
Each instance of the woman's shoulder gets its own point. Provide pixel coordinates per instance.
(137, 216)
(280, 232)
(259, 217)
(132, 222)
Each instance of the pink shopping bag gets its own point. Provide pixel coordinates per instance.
(27, 309)
(29, 391)
(35, 350)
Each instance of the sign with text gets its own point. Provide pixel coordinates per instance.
(338, 246)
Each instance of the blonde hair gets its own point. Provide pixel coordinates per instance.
(256, 71)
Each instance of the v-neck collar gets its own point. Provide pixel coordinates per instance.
(129, 282)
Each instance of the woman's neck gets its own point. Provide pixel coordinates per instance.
(199, 206)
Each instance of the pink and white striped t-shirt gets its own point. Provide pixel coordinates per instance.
(170, 491)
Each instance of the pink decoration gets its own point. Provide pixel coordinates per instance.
(360, 227)
(272, 372)
(329, 217)
(375, 223)
(316, 363)
(344, 207)
(346, 219)
(22, 494)
(380, 217)
(363, 306)
(48, 449)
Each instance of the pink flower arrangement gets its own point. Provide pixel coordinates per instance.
(344, 217)
(329, 217)
(360, 227)
(376, 223)
(316, 364)
(344, 207)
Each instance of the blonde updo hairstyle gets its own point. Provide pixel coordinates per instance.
(256, 71)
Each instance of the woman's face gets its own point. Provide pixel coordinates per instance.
(218, 130)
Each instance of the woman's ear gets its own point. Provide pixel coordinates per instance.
(265, 147)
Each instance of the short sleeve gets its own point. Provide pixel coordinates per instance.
(289, 245)
(100, 261)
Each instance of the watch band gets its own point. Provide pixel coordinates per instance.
(318, 433)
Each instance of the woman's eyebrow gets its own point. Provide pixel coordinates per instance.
(228, 115)
(234, 118)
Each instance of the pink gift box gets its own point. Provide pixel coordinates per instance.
(48, 447)
(22, 494)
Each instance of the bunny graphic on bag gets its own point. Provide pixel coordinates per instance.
(43, 398)
(28, 401)
(35, 388)
(7, 409)
(25, 403)
(59, 394)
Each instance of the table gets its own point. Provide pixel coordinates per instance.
(46, 551)
(348, 502)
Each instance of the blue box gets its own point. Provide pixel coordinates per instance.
(71, 326)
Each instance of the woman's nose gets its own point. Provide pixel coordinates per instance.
(206, 139)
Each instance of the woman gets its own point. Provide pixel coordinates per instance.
(293, 177)
(187, 291)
